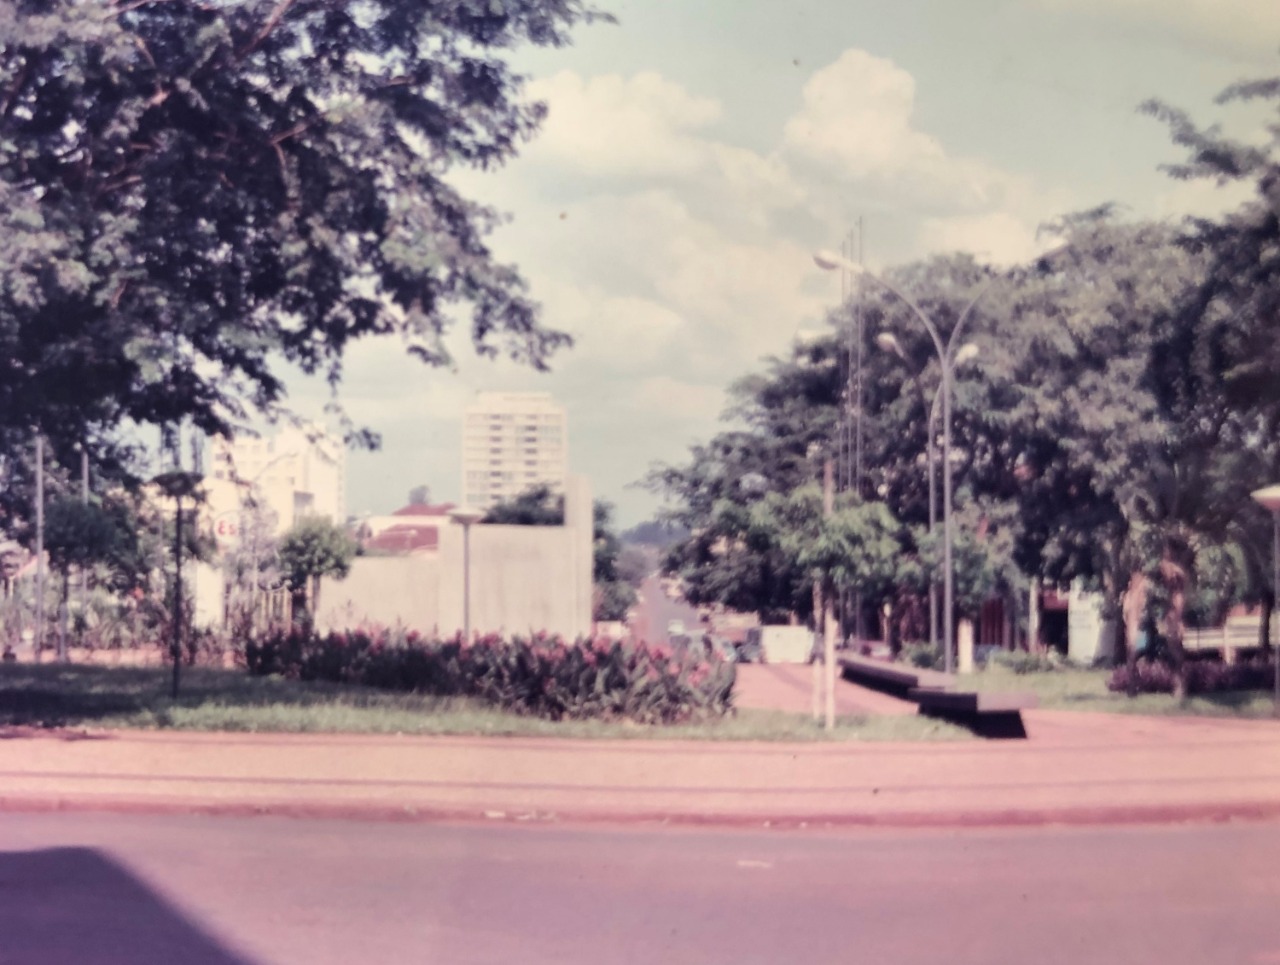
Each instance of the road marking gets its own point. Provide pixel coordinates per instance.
(750, 863)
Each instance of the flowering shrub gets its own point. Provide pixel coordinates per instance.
(540, 675)
(1203, 676)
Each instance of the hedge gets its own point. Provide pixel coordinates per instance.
(542, 676)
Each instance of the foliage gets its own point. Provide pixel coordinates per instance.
(654, 533)
(1196, 677)
(193, 194)
(536, 506)
(635, 563)
(612, 600)
(313, 548)
(540, 676)
(923, 655)
(81, 534)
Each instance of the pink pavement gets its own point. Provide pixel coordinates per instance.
(1074, 768)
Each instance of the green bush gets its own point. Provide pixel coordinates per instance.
(541, 676)
(924, 656)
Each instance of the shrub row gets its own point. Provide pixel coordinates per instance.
(1202, 676)
(541, 676)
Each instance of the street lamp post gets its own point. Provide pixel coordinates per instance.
(829, 260)
(466, 515)
(968, 351)
(1269, 497)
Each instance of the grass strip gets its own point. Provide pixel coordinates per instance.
(83, 696)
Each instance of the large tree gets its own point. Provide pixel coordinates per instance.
(194, 195)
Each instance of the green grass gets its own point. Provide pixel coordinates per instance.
(226, 700)
(1078, 689)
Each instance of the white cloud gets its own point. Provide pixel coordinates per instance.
(999, 238)
(677, 258)
(855, 125)
(1240, 27)
(1202, 198)
(610, 126)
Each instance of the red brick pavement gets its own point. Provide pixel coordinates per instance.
(1074, 768)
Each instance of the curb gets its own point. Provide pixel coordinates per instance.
(1203, 813)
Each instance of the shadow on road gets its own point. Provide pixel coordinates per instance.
(76, 906)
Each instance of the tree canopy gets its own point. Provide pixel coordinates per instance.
(195, 195)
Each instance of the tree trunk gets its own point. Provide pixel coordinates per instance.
(1133, 605)
(64, 613)
(817, 607)
(298, 605)
(1174, 576)
(1264, 627)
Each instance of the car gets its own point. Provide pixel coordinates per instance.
(675, 627)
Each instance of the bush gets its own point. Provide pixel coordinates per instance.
(1203, 676)
(922, 655)
(541, 676)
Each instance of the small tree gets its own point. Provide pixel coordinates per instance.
(312, 549)
(79, 535)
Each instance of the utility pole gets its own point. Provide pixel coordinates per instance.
(84, 572)
(858, 406)
(828, 618)
(39, 639)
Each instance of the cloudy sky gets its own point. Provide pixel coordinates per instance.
(697, 152)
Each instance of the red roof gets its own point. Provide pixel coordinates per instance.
(405, 538)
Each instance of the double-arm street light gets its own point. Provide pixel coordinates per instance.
(966, 353)
(831, 261)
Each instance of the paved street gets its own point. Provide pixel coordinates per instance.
(654, 611)
(82, 889)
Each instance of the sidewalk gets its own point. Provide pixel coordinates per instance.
(1074, 768)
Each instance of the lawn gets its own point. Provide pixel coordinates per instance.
(78, 696)
(1078, 689)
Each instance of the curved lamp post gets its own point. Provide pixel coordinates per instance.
(1269, 497)
(966, 353)
(466, 515)
(830, 261)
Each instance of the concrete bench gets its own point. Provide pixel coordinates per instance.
(986, 714)
(896, 678)
(938, 695)
(1237, 635)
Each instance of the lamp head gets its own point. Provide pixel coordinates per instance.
(889, 342)
(1268, 496)
(466, 515)
(830, 261)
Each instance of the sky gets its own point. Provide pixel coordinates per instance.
(698, 152)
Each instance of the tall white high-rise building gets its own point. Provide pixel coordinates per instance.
(512, 441)
(300, 471)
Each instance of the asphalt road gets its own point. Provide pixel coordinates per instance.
(83, 888)
(655, 611)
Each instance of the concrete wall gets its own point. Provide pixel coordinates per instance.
(523, 579)
(1089, 636)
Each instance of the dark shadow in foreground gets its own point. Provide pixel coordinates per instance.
(76, 906)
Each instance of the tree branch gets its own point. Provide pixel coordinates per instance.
(272, 21)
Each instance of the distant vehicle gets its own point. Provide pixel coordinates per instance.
(675, 627)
